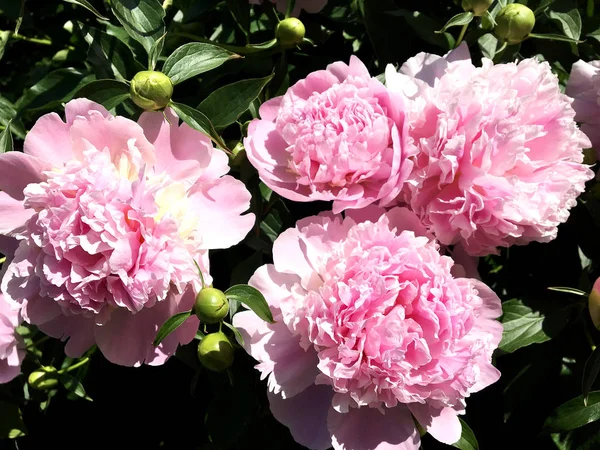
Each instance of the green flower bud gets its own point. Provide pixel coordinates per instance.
(477, 7)
(215, 352)
(290, 32)
(514, 22)
(238, 153)
(44, 379)
(151, 90)
(211, 305)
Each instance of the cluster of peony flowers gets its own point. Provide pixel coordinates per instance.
(108, 219)
(372, 326)
(310, 6)
(376, 329)
(486, 157)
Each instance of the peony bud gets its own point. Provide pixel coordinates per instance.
(215, 352)
(594, 304)
(211, 305)
(151, 90)
(477, 7)
(43, 379)
(290, 32)
(514, 22)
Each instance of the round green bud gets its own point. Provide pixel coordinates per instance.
(211, 305)
(514, 22)
(238, 153)
(151, 90)
(43, 379)
(290, 32)
(215, 352)
(477, 7)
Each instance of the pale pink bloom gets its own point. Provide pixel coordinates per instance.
(371, 327)
(335, 135)
(500, 156)
(11, 349)
(110, 215)
(310, 6)
(584, 87)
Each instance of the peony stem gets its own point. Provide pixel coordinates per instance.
(77, 365)
(590, 8)
(38, 342)
(32, 40)
(3, 260)
(463, 30)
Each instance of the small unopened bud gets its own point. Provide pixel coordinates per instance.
(594, 304)
(477, 7)
(290, 32)
(211, 305)
(514, 22)
(151, 90)
(215, 352)
(43, 379)
(238, 153)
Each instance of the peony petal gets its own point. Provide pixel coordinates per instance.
(78, 331)
(219, 208)
(13, 216)
(17, 170)
(305, 415)
(139, 330)
(442, 424)
(368, 429)
(82, 107)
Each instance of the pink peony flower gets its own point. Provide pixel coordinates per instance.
(336, 135)
(584, 87)
(371, 327)
(500, 156)
(310, 6)
(11, 351)
(110, 215)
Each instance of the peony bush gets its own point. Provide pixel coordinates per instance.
(299, 224)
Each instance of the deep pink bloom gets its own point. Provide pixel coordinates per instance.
(11, 351)
(371, 327)
(110, 215)
(584, 87)
(336, 135)
(310, 6)
(500, 156)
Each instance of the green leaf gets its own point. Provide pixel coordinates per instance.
(11, 425)
(8, 113)
(6, 140)
(155, 52)
(226, 104)
(574, 414)
(198, 121)
(108, 55)
(109, 93)
(554, 37)
(467, 440)
(87, 5)
(251, 298)
(74, 386)
(193, 59)
(458, 20)
(524, 326)
(240, 11)
(236, 333)
(56, 87)
(590, 373)
(171, 325)
(488, 44)
(566, 14)
(4, 38)
(142, 19)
